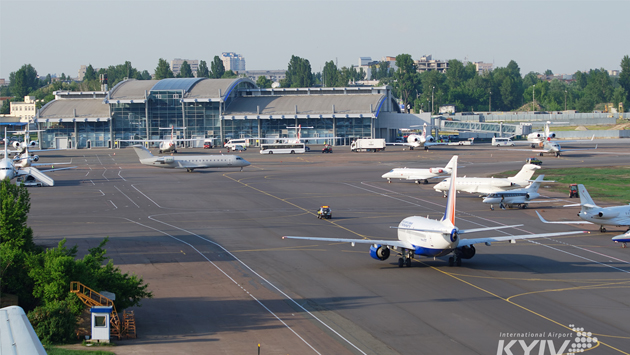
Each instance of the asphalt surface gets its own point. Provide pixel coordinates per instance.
(209, 245)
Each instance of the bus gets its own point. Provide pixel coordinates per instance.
(282, 148)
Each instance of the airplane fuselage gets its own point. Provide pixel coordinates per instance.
(616, 215)
(414, 174)
(481, 185)
(196, 162)
(428, 243)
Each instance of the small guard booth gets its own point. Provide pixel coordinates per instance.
(100, 323)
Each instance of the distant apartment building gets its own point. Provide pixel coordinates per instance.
(82, 71)
(273, 75)
(232, 61)
(483, 67)
(176, 65)
(613, 72)
(3, 82)
(427, 63)
(24, 110)
(366, 64)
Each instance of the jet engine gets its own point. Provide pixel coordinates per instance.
(16, 145)
(532, 195)
(168, 160)
(35, 157)
(436, 170)
(606, 214)
(552, 135)
(379, 252)
(466, 252)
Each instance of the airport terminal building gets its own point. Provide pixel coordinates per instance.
(221, 109)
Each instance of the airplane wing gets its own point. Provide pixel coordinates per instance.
(393, 243)
(431, 144)
(460, 231)
(141, 140)
(466, 242)
(561, 222)
(58, 169)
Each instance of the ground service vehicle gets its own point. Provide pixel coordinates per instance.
(327, 149)
(283, 148)
(498, 141)
(573, 191)
(234, 142)
(368, 145)
(324, 212)
(534, 161)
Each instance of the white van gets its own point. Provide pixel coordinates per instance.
(232, 143)
(497, 141)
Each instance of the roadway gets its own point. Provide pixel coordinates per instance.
(209, 245)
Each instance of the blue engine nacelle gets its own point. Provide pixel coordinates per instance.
(466, 252)
(379, 252)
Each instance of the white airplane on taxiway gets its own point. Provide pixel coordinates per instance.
(419, 175)
(190, 162)
(485, 186)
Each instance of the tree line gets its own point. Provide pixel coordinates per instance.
(502, 89)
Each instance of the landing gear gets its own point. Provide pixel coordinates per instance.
(557, 154)
(491, 208)
(425, 181)
(405, 259)
(524, 205)
(454, 260)
(540, 154)
(389, 181)
(410, 148)
(602, 229)
(502, 206)
(190, 170)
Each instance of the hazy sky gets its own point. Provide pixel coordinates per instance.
(564, 36)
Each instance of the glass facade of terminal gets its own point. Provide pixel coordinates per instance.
(165, 107)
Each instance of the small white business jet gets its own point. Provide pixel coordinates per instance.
(517, 197)
(553, 147)
(10, 168)
(539, 137)
(593, 214)
(190, 162)
(419, 175)
(485, 186)
(419, 141)
(433, 238)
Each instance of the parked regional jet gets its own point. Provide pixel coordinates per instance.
(418, 141)
(517, 197)
(190, 162)
(623, 238)
(165, 145)
(433, 238)
(536, 138)
(486, 186)
(24, 156)
(593, 214)
(10, 170)
(419, 174)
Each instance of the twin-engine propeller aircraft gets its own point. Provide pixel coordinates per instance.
(433, 238)
(419, 141)
(419, 175)
(485, 186)
(593, 214)
(516, 197)
(190, 162)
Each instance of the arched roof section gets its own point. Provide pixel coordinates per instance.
(175, 84)
(216, 89)
(79, 109)
(131, 89)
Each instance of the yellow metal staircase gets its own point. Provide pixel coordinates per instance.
(126, 328)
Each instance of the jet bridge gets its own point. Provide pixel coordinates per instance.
(499, 129)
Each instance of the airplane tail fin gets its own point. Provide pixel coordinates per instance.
(143, 153)
(525, 174)
(449, 213)
(451, 163)
(585, 198)
(536, 183)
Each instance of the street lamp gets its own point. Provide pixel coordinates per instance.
(490, 104)
(565, 100)
(533, 99)
(432, 90)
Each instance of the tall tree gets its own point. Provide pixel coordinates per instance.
(185, 71)
(624, 76)
(330, 74)
(163, 70)
(298, 74)
(24, 81)
(217, 68)
(407, 78)
(202, 71)
(90, 73)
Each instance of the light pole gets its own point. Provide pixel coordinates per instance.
(565, 100)
(490, 104)
(432, 90)
(533, 99)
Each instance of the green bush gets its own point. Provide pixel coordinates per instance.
(54, 322)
